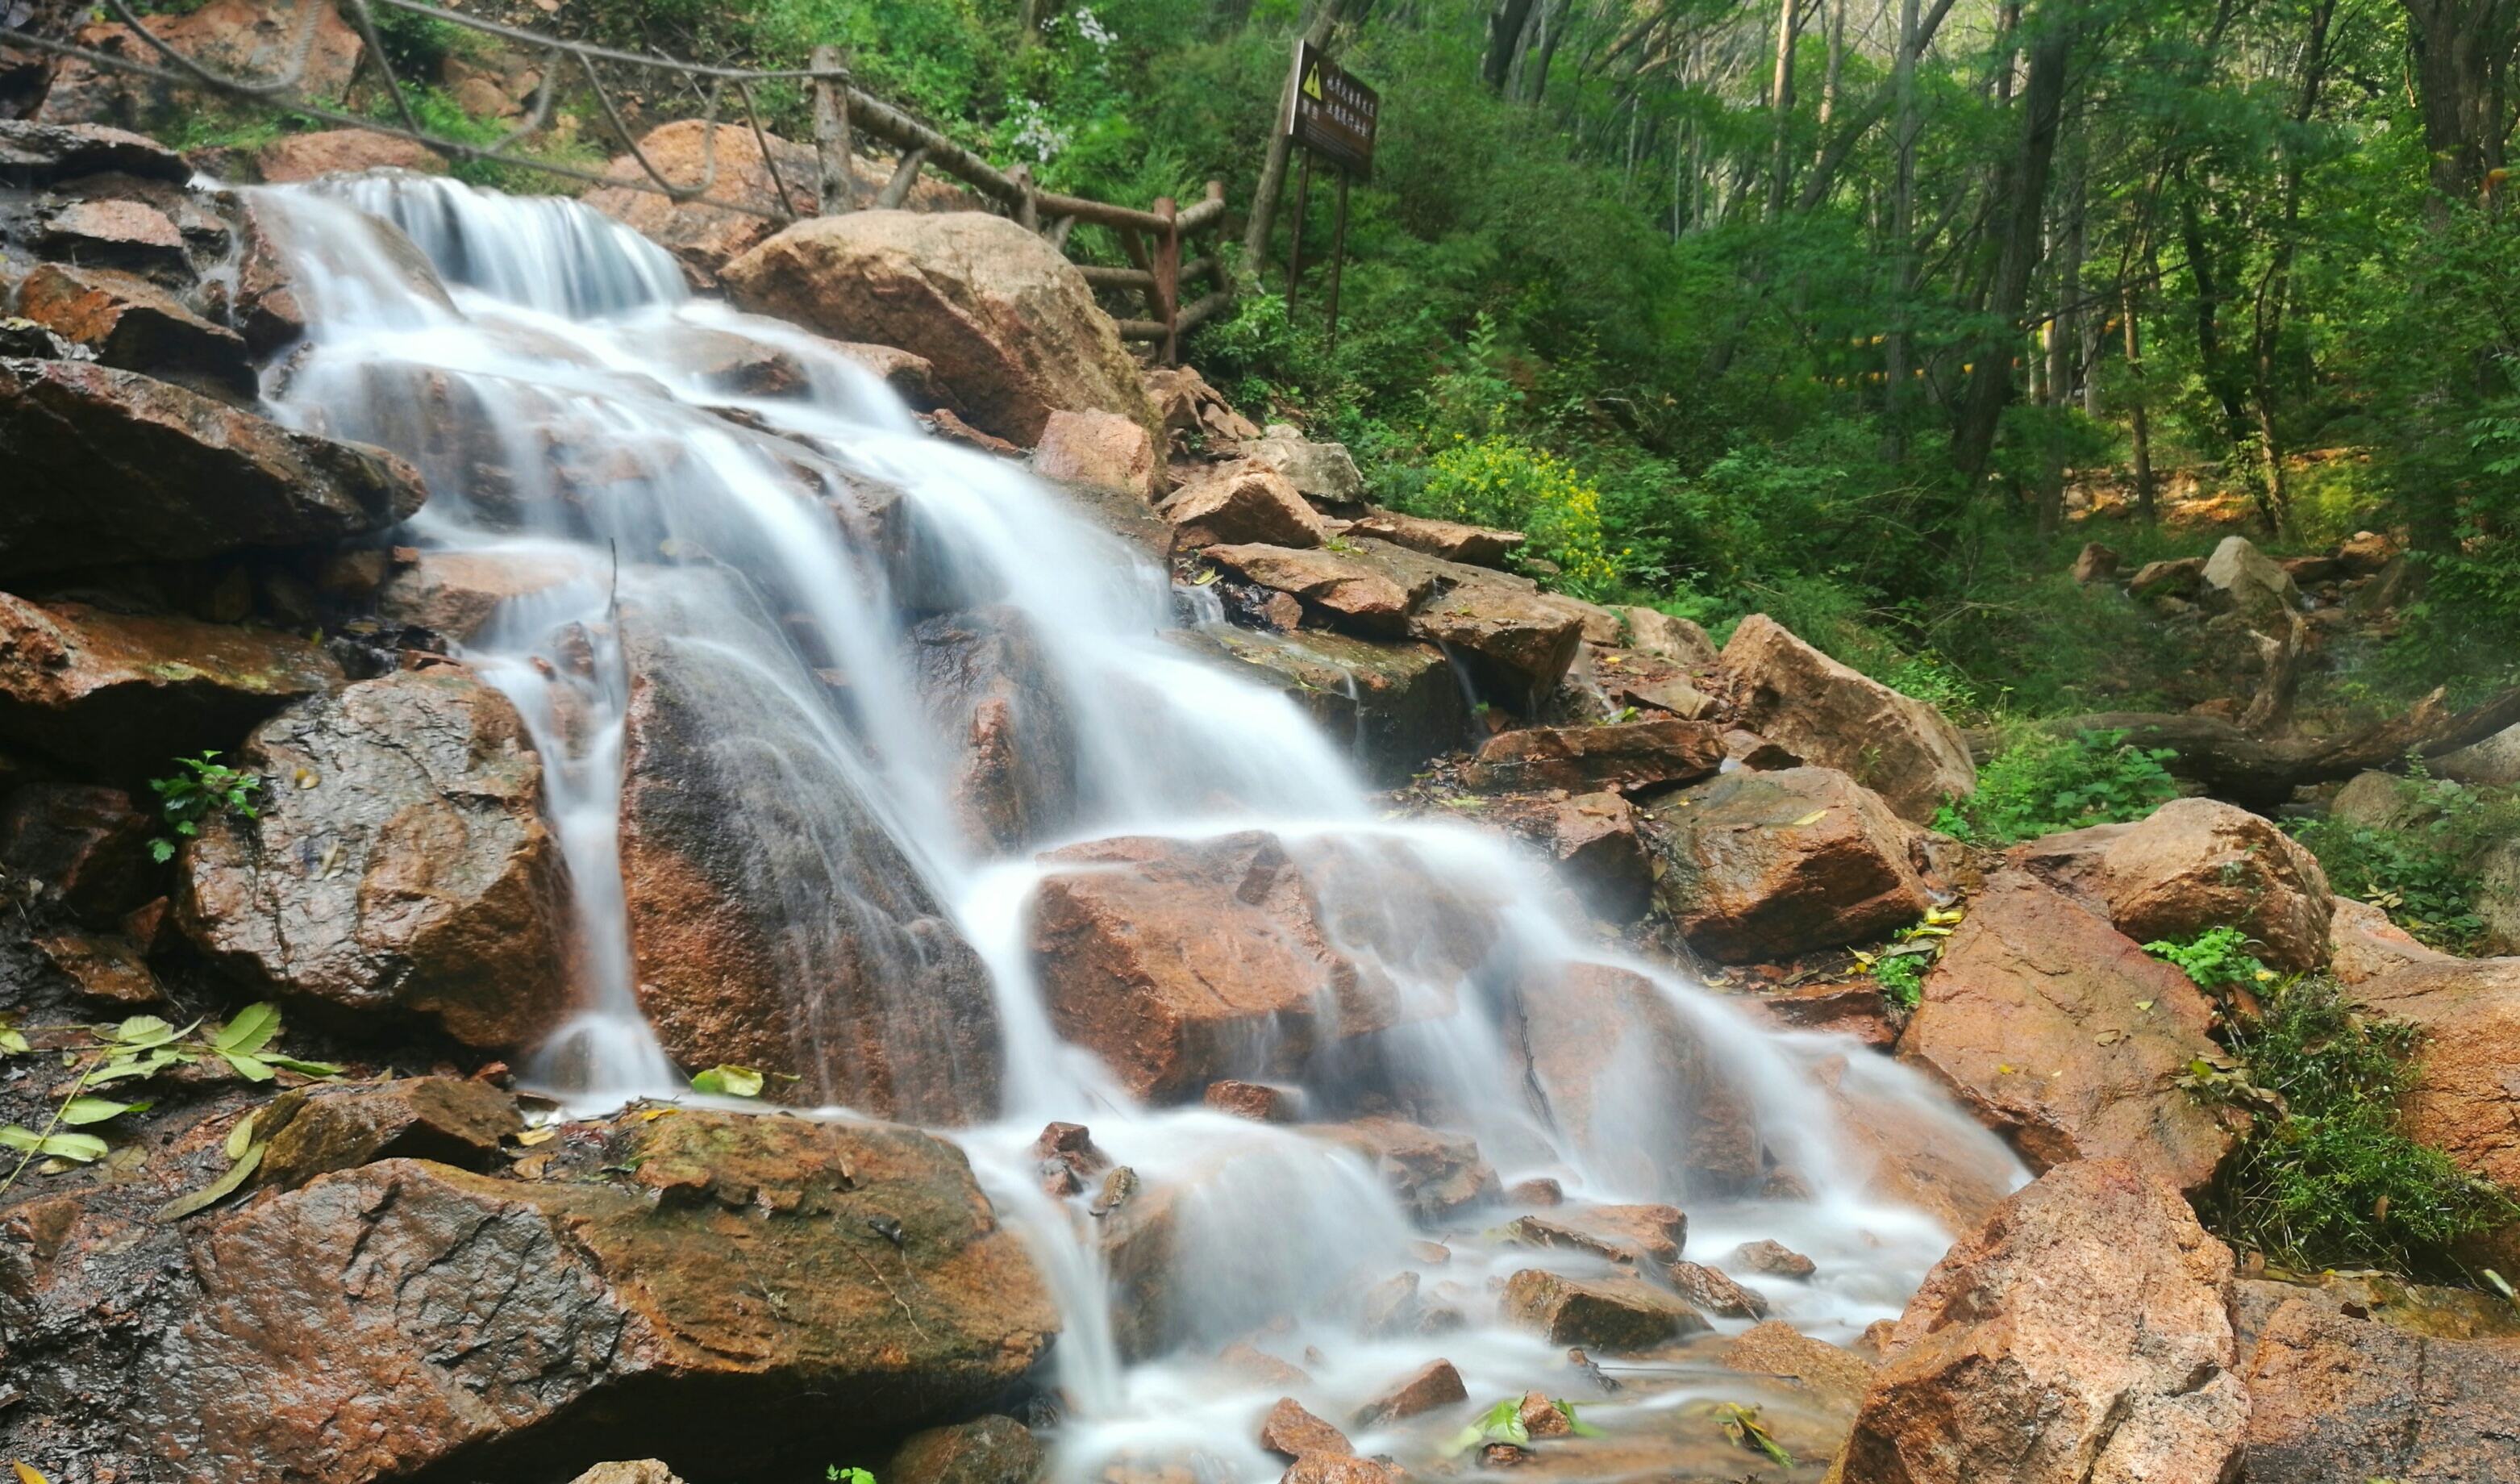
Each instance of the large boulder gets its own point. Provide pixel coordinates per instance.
(1392, 706)
(989, 690)
(2194, 864)
(1829, 714)
(773, 922)
(244, 38)
(1764, 866)
(1622, 1314)
(1009, 324)
(406, 1317)
(2467, 1103)
(294, 157)
(1102, 449)
(1181, 962)
(2337, 1393)
(706, 238)
(2066, 1038)
(1623, 757)
(1513, 643)
(120, 694)
(2247, 581)
(399, 862)
(109, 465)
(130, 323)
(1241, 504)
(1339, 591)
(35, 155)
(2081, 1335)
(1591, 838)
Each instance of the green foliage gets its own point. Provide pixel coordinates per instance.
(2043, 784)
(1502, 482)
(2215, 959)
(833, 1473)
(1902, 979)
(204, 791)
(729, 1081)
(2325, 1177)
(2418, 865)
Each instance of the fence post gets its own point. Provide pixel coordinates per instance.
(838, 189)
(1168, 278)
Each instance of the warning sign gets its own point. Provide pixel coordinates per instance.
(1332, 114)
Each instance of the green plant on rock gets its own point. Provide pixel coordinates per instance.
(204, 791)
(2417, 866)
(1503, 482)
(2043, 784)
(2325, 1177)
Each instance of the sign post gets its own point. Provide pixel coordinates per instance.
(1332, 114)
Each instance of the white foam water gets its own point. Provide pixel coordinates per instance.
(568, 403)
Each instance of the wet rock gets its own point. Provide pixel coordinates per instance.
(912, 378)
(989, 1449)
(1433, 1384)
(86, 845)
(2096, 562)
(456, 594)
(1619, 1314)
(2362, 944)
(1591, 839)
(119, 693)
(1713, 1292)
(1333, 1468)
(104, 966)
(1341, 592)
(1621, 757)
(1009, 324)
(2240, 577)
(1835, 1376)
(2468, 1102)
(245, 38)
(1391, 706)
(1291, 1432)
(1476, 545)
(1927, 1156)
(113, 233)
(1435, 1174)
(343, 151)
(1514, 646)
(2332, 1396)
(35, 155)
(1832, 716)
(445, 1119)
(108, 466)
(1259, 1101)
(1541, 1419)
(2001, 1367)
(774, 923)
(637, 1472)
(1677, 640)
(1853, 1008)
(399, 862)
(132, 324)
(987, 682)
(1632, 1083)
(2194, 864)
(1241, 504)
(706, 238)
(1099, 448)
(1180, 962)
(1540, 1192)
(2066, 1038)
(1770, 1256)
(1759, 867)
(377, 1323)
(1320, 472)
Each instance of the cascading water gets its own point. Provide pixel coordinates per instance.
(727, 522)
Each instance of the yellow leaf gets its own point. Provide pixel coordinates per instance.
(2144, 1004)
(1811, 817)
(544, 1134)
(26, 1472)
(2005, 1069)
(241, 1138)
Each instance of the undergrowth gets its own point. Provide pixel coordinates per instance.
(2418, 865)
(2043, 784)
(2325, 1177)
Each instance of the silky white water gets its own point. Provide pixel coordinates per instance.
(571, 410)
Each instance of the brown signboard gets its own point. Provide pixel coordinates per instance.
(1331, 113)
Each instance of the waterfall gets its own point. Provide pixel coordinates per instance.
(761, 567)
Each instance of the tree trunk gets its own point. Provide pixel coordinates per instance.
(2138, 418)
(1505, 21)
(2462, 54)
(2275, 500)
(1780, 100)
(1902, 228)
(2025, 189)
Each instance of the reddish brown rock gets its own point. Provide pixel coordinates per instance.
(1181, 961)
(2362, 944)
(1621, 757)
(2467, 1103)
(2096, 561)
(1767, 1255)
(987, 680)
(1009, 324)
(244, 38)
(989, 1449)
(2334, 1395)
(1930, 1156)
(343, 151)
(1516, 646)
(1591, 839)
(1476, 545)
(1435, 1174)
(1333, 1468)
(1775, 1348)
(1619, 1314)
(1291, 1432)
(1640, 1237)
(105, 967)
(2081, 1335)
(121, 695)
(85, 846)
(1392, 706)
(911, 377)
(2066, 1038)
(1760, 866)
(1342, 592)
(1259, 1101)
(1433, 1384)
(455, 594)
(1832, 716)
(1711, 1291)
(1099, 448)
(1190, 407)
(1649, 682)
(446, 1119)
(132, 324)
(35, 155)
(2195, 863)
(1854, 1008)
(108, 466)
(1241, 504)
(114, 234)
(774, 923)
(399, 862)
(405, 1315)
(2178, 577)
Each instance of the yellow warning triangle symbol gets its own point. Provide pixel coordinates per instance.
(1312, 82)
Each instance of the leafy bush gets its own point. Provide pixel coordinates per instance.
(1505, 482)
(2043, 784)
(205, 789)
(2215, 959)
(2325, 1177)
(2419, 869)
(1902, 979)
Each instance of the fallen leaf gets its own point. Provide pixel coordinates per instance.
(1811, 817)
(544, 1134)
(217, 1191)
(241, 1138)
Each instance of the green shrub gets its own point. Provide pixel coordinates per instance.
(205, 789)
(1502, 482)
(2325, 1177)
(2043, 784)
(2215, 959)
(2419, 869)
(1902, 979)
